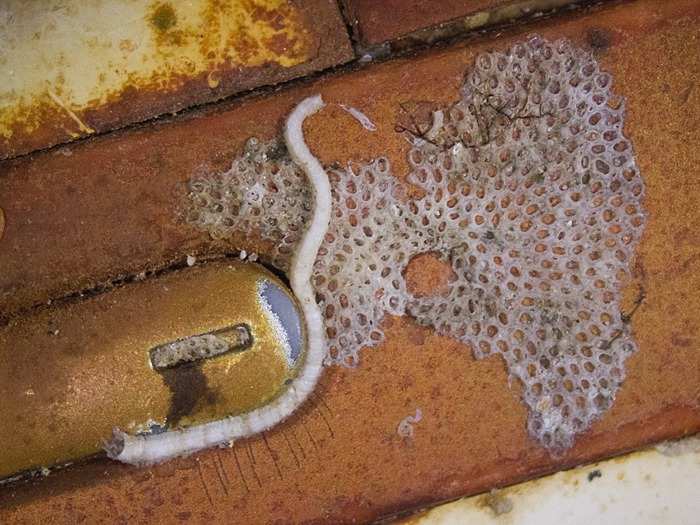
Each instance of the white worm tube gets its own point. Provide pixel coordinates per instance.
(363, 119)
(154, 448)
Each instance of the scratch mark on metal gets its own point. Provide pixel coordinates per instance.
(240, 470)
(219, 468)
(252, 464)
(272, 455)
(685, 94)
(249, 450)
(204, 483)
(81, 125)
(328, 424)
(223, 467)
(313, 441)
(289, 444)
(323, 415)
(303, 452)
(323, 402)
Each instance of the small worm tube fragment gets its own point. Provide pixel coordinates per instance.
(363, 119)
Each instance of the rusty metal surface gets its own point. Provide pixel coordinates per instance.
(71, 374)
(72, 68)
(374, 23)
(109, 207)
(648, 487)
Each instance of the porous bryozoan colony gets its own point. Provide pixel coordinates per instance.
(531, 194)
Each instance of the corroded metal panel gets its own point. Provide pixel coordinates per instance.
(72, 68)
(375, 23)
(342, 456)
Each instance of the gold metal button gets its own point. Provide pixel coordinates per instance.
(185, 348)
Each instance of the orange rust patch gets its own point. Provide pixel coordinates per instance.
(428, 275)
(473, 432)
(281, 43)
(174, 53)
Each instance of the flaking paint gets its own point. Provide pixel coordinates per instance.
(65, 59)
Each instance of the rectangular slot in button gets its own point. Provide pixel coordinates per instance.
(203, 346)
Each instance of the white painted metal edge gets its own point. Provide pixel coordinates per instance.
(652, 487)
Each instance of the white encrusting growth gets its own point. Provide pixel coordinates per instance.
(438, 123)
(532, 195)
(405, 428)
(154, 448)
(360, 117)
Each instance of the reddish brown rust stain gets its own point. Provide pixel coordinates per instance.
(680, 340)
(428, 275)
(271, 17)
(473, 435)
(280, 43)
(415, 117)
(598, 39)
